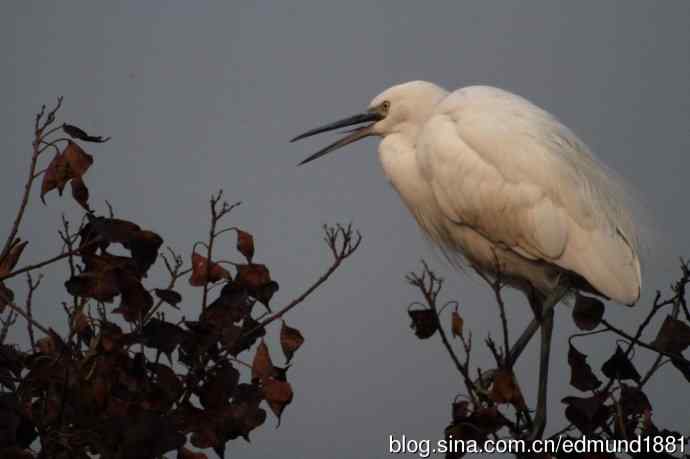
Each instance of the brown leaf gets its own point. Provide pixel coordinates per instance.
(278, 394)
(581, 375)
(184, 453)
(506, 390)
(673, 337)
(55, 176)
(78, 133)
(204, 272)
(456, 324)
(586, 414)
(262, 366)
(620, 367)
(144, 247)
(136, 301)
(588, 312)
(424, 322)
(77, 159)
(633, 401)
(253, 276)
(6, 296)
(46, 345)
(245, 245)
(80, 193)
(169, 296)
(219, 387)
(290, 339)
(8, 262)
(82, 327)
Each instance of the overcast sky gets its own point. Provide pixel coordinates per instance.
(199, 96)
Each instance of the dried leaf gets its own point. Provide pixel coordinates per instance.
(588, 312)
(581, 375)
(456, 324)
(8, 262)
(46, 345)
(219, 387)
(587, 414)
(6, 296)
(290, 339)
(262, 366)
(620, 367)
(55, 176)
(77, 159)
(184, 453)
(245, 245)
(278, 394)
(506, 390)
(144, 246)
(673, 337)
(77, 133)
(169, 296)
(633, 401)
(424, 322)
(163, 336)
(204, 272)
(80, 193)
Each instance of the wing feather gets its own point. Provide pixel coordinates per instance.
(512, 172)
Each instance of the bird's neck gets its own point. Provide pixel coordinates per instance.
(399, 161)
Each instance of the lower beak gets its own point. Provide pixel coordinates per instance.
(355, 135)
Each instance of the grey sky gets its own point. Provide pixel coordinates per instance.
(203, 95)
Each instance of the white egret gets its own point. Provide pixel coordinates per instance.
(497, 181)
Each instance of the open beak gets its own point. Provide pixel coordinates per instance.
(354, 135)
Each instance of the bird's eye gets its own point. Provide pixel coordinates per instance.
(385, 106)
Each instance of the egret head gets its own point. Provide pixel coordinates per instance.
(399, 109)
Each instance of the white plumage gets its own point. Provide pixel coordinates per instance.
(495, 180)
(491, 177)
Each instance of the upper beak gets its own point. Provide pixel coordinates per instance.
(356, 134)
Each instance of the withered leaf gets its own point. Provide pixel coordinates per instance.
(163, 336)
(144, 246)
(290, 340)
(55, 176)
(506, 390)
(219, 387)
(78, 133)
(204, 272)
(6, 296)
(101, 286)
(81, 326)
(588, 312)
(424, 322)
(585, 413)
(673, 337)
(77, 159)
(262, 366)
(456, 324)
(167, 380)
(620, 367)
(169, 296)
(581, 375)
(489, 420)
(46, 345)
(10, 260)
(278, 394)
(234, 301)
(136, 301)
(264, 293)
(256, 278)
(460, 411)
(633, 400)
(245, 244)
(184, 453)
(80, 193)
